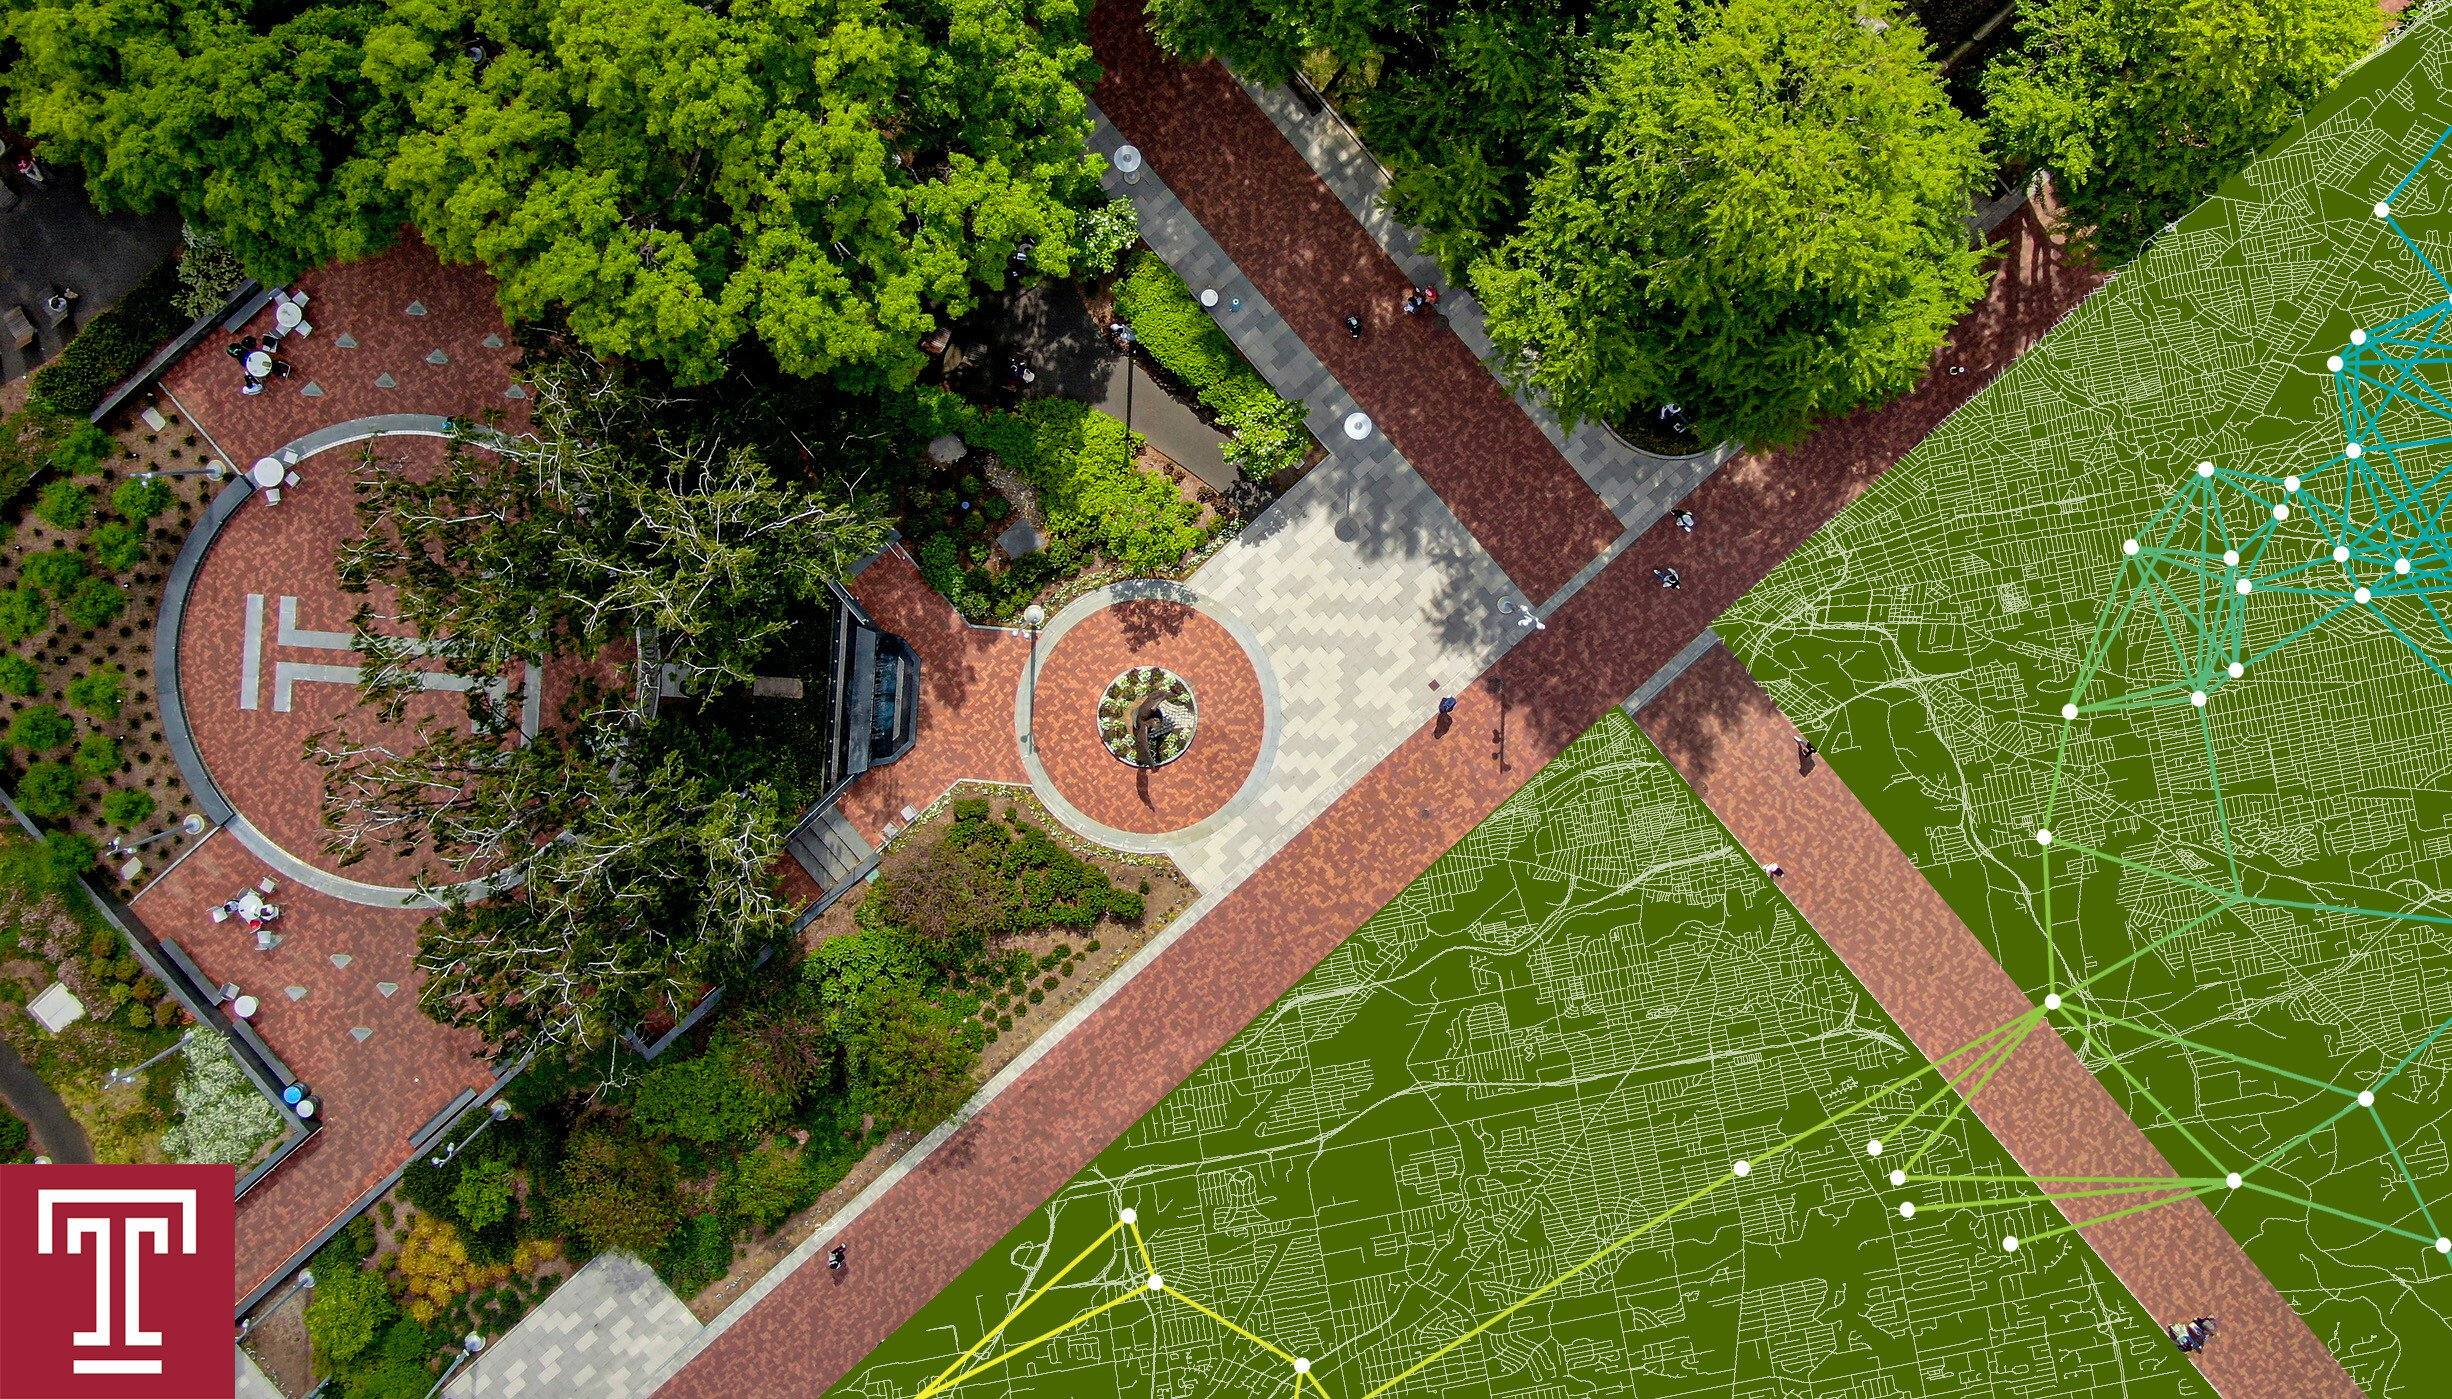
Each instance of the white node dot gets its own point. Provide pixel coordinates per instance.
(2382, 209)
(1907, 1209)
(2052, 1001)
(2230, 558)
(2358, 337)
(2333, 364)
(2231, 1180)
(1128, 1215)
(2197, 698)
(2362, 595)
(2010, 1244)
(2291, 484)
(2246, 587)
(2068, 711)
(2129, 548)
(2443, 1245)
(2366, 1098)
(2341, 553)
(1301, 1366)
(2205, 468)
(1157, 1283)
(2281, 512)
(1743, 1168)
(1873, 1147)
(2043, 837)
(2400, 566)
(2352, 450)
(2237, 670)
(1898, 1177)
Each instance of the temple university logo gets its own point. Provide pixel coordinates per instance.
(115, 1282)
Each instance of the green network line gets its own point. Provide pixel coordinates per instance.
(2233, 568)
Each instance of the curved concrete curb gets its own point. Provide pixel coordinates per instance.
(167, 694)
(1098, 600)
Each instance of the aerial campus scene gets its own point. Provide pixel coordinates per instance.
(1526, 698)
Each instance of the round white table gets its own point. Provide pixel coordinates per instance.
(287, 315)
(244, 1007)
(267, 472)
(1357, 425)
(259, 363)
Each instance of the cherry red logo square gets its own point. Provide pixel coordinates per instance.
(115, 1282)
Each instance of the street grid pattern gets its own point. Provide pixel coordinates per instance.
(2240, 896)
(1529, 1076)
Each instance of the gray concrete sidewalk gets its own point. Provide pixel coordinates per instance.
(54, 237)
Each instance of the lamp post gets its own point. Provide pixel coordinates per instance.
(121, 1077)
(193, 825)
(470, 1344)
(1033, 617)
(305, 1282)
(494, 1114)
(1528, 617)
(214, 469)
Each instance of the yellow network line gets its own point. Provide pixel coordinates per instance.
(1996, 1050)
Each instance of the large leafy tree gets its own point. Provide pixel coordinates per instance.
(587, 531)
(643, 874)
(2141, 107)
(1465, 102)
(832, 178)
(1759, 214)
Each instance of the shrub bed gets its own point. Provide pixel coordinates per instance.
(1268, 432)
(1095, 497)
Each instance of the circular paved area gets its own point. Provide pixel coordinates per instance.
(265, 660)
(1077, 669)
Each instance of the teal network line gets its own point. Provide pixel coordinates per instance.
(2235, 567)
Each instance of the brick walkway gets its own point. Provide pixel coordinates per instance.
(341, 969)
(1317, 266)
(1371, 842)
(969, 677)
(368, 304)
(1074, 675)
(1877, 911)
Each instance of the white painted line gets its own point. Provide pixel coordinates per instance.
(286, 674)
(292, 635)
(251, 657)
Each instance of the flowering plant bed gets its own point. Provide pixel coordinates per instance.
(1170, 727)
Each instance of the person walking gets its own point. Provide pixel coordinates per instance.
(1804, 747)
(1353, 327)
(1669, 577)
(1772, 868)
(1684, 519)
(1447, 705)
(834, 1259)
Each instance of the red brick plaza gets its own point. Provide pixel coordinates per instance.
(261, 654)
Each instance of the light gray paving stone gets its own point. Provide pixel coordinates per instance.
(604, 1334)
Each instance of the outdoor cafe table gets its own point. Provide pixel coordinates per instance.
(267, 472)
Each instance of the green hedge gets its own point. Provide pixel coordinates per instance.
(112, 346)
(1268, 431)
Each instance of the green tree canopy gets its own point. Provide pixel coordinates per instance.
(669, 178)
(1465, 102)
(1759, 216)
(2141, 107)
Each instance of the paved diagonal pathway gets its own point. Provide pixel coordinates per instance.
(1888, 923)
(1284, 228)
(799, 1331)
